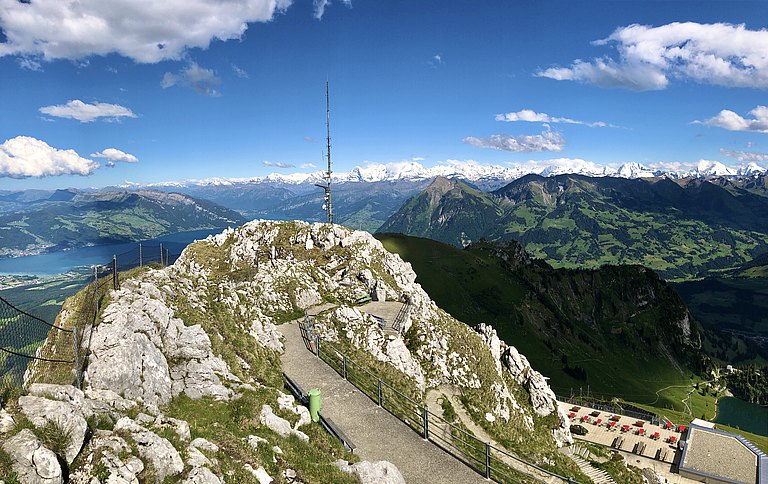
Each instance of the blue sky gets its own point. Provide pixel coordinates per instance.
(409, 80)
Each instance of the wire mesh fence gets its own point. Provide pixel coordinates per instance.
(21, 340)
(59, 353)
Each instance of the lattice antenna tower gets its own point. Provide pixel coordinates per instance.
(326, 186)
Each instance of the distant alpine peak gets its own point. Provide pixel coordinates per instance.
(486, 175)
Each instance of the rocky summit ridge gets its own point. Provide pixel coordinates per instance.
(183, 380)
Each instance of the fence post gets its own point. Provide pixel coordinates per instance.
(76, 359)
(345, 367)
(425, 413)
(378, 380)
(161, 254)
(141, 256)
(487, 460)
(317, 345)
(115, 282)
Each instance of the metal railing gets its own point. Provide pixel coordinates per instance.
(615, 409)
(488, 460)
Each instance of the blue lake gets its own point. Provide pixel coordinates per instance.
(743, 415)
(67, 260)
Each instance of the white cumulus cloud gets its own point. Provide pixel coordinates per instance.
(277, 164)
(146, 31)
(534, 117)
(649, 57)
(756, 120)
(240, 72)
(746, 156)
(113, 155)
(24, 157)
(321, 5)
(85, 113)
(546, 141)
(203, 81)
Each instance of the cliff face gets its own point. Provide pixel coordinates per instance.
(183, 379)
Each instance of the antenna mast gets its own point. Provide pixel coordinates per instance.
(327, 185)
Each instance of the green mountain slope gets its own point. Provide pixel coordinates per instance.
(99, 218)
(734, 303)
(622, 331)
(679, 228)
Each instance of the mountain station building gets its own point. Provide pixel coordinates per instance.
(713, 456)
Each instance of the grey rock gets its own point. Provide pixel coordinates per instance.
(139, 335)
(195, 458)
(379, 472)
(129, 364)
(198, 378)
(165, 460)
(6, 421)
(63, 393)
(201, 475)
(278, 424)
(143, 418)
(307, 297)
(110, 398)
(110, 446)
(181, 427)
(288, 402)
(260, 474)
(204, 444)
(33, 463)
(42, 410)
(255, 440)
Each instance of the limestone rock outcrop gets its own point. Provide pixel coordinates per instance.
(138, 326)
(33, 463)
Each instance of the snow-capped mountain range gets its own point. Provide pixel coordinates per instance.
(485, 175)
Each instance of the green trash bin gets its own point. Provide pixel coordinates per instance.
(314, 404)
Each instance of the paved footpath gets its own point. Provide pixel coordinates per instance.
(377, 434)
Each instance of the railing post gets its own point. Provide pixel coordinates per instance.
(141, 256)
(76, 359)
(317, 345)
(378, 380)
(425, 413)
(115, 282)
(345, 366)
(487, 460)
(161, 254)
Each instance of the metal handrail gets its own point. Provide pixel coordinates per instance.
(485, 468)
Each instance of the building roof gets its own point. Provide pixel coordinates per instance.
(730, 457)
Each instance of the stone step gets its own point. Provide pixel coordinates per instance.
(598, 476)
